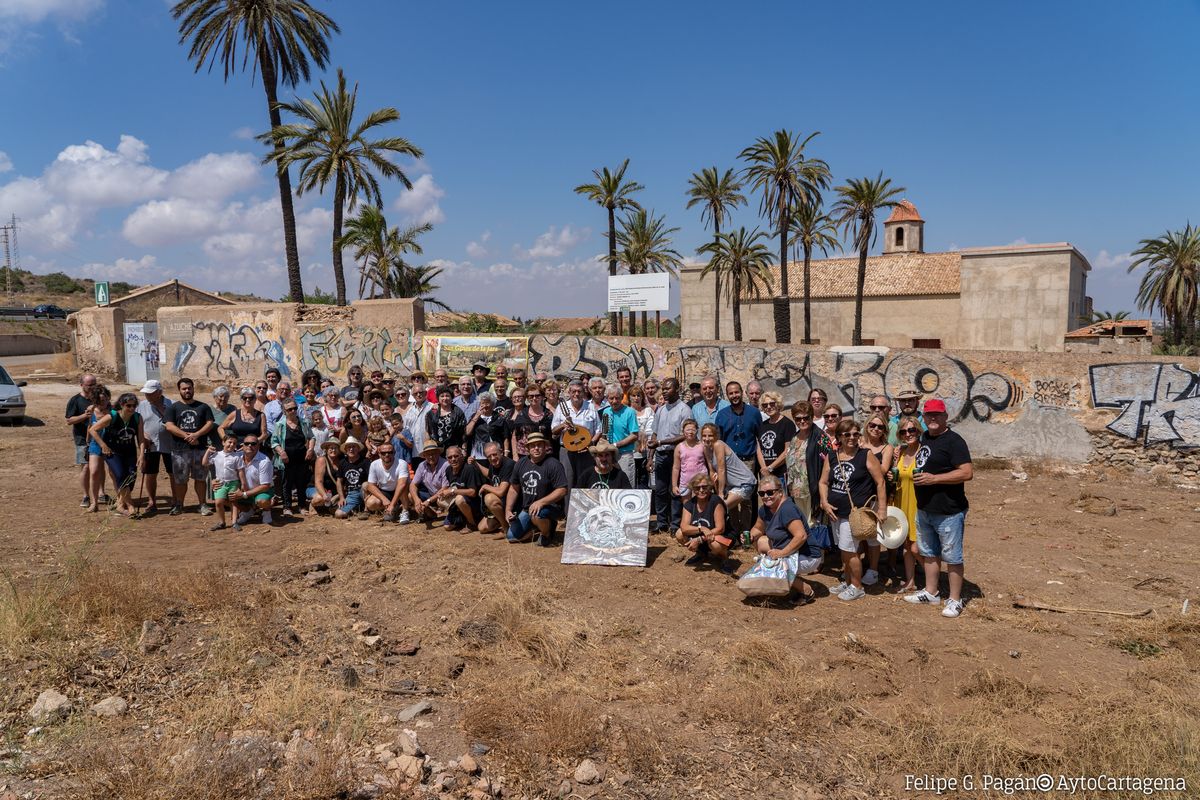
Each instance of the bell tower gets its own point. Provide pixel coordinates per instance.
(904, 230)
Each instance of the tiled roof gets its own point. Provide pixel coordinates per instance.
(1114, 327)
(145, 290)
(893, 275)
(905, 212)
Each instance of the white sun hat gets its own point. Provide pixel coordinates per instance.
(893, 529)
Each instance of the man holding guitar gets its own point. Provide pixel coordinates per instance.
(576, 423)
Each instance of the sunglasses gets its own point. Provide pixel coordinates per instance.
(249, 444)
(879, 408)
(768, 493)
(851, 435)
(910, 431)
(803, 419)
(875, 427)
(769, 405)
(387, 452)
(290, 409)
(704, 488)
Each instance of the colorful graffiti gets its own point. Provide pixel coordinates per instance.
(1159, 403)
(333, 349)
(232, 350)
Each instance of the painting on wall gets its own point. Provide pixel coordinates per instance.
(609, 527)
(456, 354)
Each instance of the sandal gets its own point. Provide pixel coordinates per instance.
(220, 526)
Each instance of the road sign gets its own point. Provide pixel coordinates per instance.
(101, 293)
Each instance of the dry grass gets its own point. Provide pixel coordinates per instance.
(998, 689)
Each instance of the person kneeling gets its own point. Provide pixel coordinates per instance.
(702, 527)
(498, 471)
(463, 478)
(352, 474)
(258, 480)
(427, 489)
(536, 495)
(781, 532)
(323, 494)
(387, 484)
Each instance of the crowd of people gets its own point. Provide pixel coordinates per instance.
(728, 467)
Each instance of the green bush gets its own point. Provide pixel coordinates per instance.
(58, 283)
(18, 285)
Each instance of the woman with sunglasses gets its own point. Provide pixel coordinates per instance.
(248, 420)
(817, 399)
(805, 459)
(781, 532)
(831, 417)
(645, 422)
(355, 425)
(909, 431)
(292, 441)
(101, 408)
(262, 395)
(735, 482)
(773, 434)
(517, 398)
(851, 480)
(702, 525)
(535, 417)
(876, 440)
(122, 440)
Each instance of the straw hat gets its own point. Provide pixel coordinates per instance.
(893, 530)
(534, 438)
(330, 444)
(430, 447)
(602, 446)
(350, 440)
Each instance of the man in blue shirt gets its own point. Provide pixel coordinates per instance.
(622, 429)
(737, 423)
(908, 401)
(706, 410)
(467, 400)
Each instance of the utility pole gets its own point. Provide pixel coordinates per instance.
(9, 234)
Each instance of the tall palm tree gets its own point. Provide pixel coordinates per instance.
(645, 242)
(379, 249)
(1172, 279)
(742, 259)
(814, 230)
(329, 146)
(858, 203)
(417, 282)
(614, 193)
(717, 195)
(778, 169)
(279, 36)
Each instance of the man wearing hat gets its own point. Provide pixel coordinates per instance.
(479, 379)
(535, 499)
(428, 482)
(352, 475)
(153, 409)
(908, 401)
(944, 466)
(604, 474)
(324, 491)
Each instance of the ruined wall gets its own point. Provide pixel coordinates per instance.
(99, 340)
(144, 307)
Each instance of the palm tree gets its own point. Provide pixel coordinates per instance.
(858, 203)
(328, 146)
(1106, 316)
(814, 229)
(417, 282)
(717, 195)
(1172, 279)
(279, 36)
(379, 249)
(742, 259)
(778, 169)
(613, 192)
(645, 242)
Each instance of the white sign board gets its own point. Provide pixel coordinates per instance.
(651, 292)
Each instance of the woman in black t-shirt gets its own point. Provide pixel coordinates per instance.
(852, 479)
(702, 526)
(773, 434)
(446, 425)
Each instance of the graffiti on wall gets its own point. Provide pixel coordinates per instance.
(333, 349)
(1055, 393)
(849, 379)
(229, 350)
(1159, 403)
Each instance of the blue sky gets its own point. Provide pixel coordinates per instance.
(1006, 122)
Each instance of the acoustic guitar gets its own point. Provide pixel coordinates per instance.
(574, 438)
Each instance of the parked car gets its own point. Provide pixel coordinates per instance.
(50, 311)
(12, 400)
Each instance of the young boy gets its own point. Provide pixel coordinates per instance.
(227, 477)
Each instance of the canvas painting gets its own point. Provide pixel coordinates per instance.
(607, 526)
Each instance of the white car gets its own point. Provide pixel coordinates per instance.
(12, 401)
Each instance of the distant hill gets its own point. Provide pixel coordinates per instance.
(30, 289)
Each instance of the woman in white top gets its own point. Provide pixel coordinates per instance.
(645, 421)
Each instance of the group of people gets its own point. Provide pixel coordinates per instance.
(727, 467)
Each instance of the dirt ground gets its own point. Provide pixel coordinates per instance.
(246, 675)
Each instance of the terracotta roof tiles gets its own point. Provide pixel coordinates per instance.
(905, 212)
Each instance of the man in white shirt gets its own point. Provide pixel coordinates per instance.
(414, 421)
(258, 476)
(582, 415)
(387, 485)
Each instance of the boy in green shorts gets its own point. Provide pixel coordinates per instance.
(228, 477)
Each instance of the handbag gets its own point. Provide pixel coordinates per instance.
(767, 577)
(864, 522)
(820, 535)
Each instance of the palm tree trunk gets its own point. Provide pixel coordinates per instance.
(862, 283)
(716, 285)
(657, 324)
(612, 264)
(290, 250)
(339, 276)
(782, 303)
(807, 296)
(737, 309)
(646, 323)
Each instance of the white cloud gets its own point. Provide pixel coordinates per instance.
(420, 204)
(39, 10)
(167, 222)
(1114, 261)
(1018, 242)
(478, 250)
(244, 132)
(5, 162)
(144, 270)
(567, 287)
(215, 176)
(554, 243)
(90, 175)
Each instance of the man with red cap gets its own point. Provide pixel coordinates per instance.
(943, 467)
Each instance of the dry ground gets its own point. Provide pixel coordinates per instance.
(662, 676)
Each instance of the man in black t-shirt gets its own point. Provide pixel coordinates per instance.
(943, 466)
(535, 498)
(604, 474)
(497, 471)
(79, 415)
(352, 475)
(189, 422)
(462, 487)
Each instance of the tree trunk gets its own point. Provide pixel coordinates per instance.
(807, 296)
(339, 199)
(782, 303)
(737, 309)
(862, 283)
(612, 265)
(717, 285)
(657, 324)
(290, 250)
(646, 323)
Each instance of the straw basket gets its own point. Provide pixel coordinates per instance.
(864, 522)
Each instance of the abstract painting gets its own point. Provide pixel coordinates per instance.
(608, 527)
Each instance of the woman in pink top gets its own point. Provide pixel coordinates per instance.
(689, 461)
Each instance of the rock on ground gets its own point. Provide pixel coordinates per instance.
(414, 711)
(587, 772)
(153, 637)
(110, 707)
(49, 706)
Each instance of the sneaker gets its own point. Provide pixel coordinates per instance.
(220, 526)
(244, 518)
(237, 526)
(85, 502)
(839, 587)
(205, 510)
(176, 511)
(953, 608)
(921, 597)
(870, 578)
(404, 520)
(851, 593)
(267, 518)
(696, 559)
(104, 500)
(389, 517)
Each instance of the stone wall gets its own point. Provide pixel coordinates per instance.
(99, 340)
(144, 307)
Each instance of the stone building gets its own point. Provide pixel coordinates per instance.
(1016, 297)
(141, 305)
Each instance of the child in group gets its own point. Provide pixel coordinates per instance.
(689, 462)
(320, 431)
(227, 477)
(377, 436)
(401, 438)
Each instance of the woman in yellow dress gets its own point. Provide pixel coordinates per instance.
(905, 464)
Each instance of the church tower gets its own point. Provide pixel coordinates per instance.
(904, 230)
